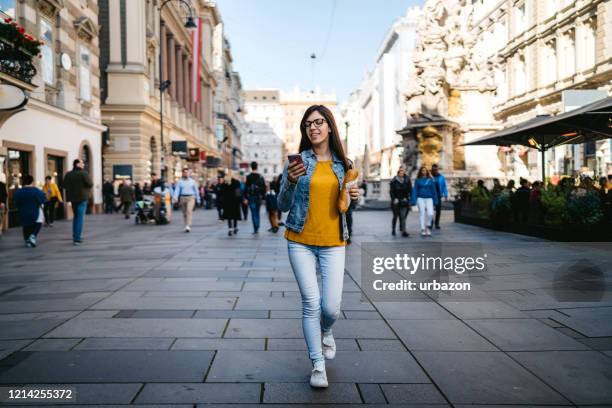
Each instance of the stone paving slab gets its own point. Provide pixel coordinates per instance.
(52, 345)
(440, 335)
(134, 300)
(413, 310)
(292, 328)
(27, 329)
(287, 366)
(302, 393)
(412, 394)
(82, 302)
(300, 344)
(199, 393)
(584, 377)
(106, 366)
(140, 328)
(219, 344)
(120, 343)
(523, 335)
(485, 378)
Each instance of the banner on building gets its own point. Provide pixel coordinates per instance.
(196, 63)
(194, 154)
(122, 172)
(213, 162)
(179, 148)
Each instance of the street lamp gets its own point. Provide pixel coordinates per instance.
(346, 124)
(163, 85)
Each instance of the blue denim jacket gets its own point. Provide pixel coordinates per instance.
(295, 198)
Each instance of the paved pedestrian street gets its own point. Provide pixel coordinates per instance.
(152, 316)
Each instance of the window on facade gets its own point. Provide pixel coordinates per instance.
(588, 47)
(8, 7)
(47, 63)
(519, 22)
(520, 77)
(220, 131)
(568, 58)
(84, 73)
(550, 67)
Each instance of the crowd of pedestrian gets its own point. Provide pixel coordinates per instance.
(427, 193)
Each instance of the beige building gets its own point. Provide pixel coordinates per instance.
(282, 112)
(294, 104)
(130, 61)
(541, 49)
(264, 141)
(229, 110)
(61, 121)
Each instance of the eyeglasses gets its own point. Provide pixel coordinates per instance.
(317, 122)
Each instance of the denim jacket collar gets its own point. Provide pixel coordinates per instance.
(311, 154)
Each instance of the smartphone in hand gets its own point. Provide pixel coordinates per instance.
(295, 158)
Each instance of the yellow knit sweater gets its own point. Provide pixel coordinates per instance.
(322, 225)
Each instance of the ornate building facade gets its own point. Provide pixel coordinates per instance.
(130, 50)
(62, 118)
(230, 124)
(484, 65)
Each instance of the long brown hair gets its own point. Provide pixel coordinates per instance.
(334, 138)
(427, 173)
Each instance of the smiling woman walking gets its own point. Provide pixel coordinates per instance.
(316, 230)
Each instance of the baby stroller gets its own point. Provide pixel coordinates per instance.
(161, 212)
(144, 211)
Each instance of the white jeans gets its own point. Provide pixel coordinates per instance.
(426, 209)
(320, 310)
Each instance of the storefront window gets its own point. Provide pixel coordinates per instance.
(18, 166)
(47, 61)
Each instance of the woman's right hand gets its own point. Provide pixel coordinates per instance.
(295, 170)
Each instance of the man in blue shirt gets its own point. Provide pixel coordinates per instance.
(186, 193)
(440, 183)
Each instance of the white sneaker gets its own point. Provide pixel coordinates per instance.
(329, 346)
(428, 232)
(318, 377)
(187, 229)
(423, 233)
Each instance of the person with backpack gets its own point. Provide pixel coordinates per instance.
(255, 193)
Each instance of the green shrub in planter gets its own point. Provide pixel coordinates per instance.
(501, 207)
(583, 208)
(553, 203)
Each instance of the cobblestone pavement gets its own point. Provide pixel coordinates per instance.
(152, 316)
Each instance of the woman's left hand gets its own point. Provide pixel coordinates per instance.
(354, 193)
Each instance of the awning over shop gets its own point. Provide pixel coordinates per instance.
(588, 123)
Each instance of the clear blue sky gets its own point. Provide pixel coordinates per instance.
(272, 40)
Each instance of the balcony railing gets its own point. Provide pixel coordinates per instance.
(17, 53)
